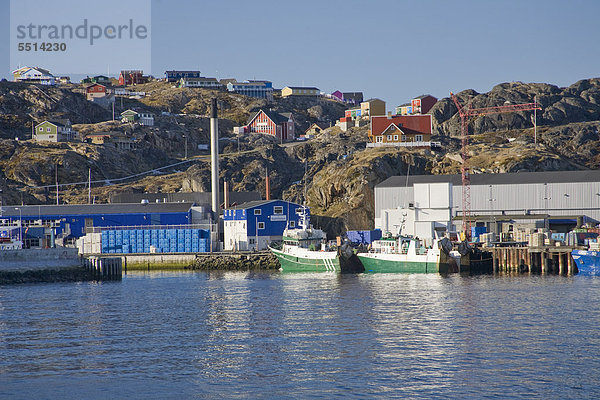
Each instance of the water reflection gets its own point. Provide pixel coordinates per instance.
(180, 334)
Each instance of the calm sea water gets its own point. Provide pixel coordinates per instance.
(272, 335)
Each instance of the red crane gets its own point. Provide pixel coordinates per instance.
(465, 113)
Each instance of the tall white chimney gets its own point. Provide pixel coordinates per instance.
(214, 158)
(214, 173)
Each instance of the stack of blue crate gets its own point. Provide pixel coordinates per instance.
(146, 234)
(104, 248)
(164, 240)
(125, 248)
(111, 241)
(195, 235)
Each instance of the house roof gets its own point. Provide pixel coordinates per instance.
(107, 134)
(423, 96)
(372, 100)
(181, 72)
(132, 71)
(95, 209)
(409, 124)
(94, 84)
(353, 95)
(200, 79)
(497, 179)
(274, 116)
(227, 80)
(24, 70)
(322, 125)
(405, 105)
(57, 122)
(254, 83)
(257, 203)
(301, 88)
(201, 198)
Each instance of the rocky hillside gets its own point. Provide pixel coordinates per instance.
(340, 172)
(579, 102)
(22, 103)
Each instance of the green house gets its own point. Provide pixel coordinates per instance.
(129, 116)
(101, 79)
(54, 131)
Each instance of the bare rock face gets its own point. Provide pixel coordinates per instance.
(579, 102)
(22, 103)
(344, 188)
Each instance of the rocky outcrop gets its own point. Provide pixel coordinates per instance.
(579, 102)
(21, 104)
(236, 262)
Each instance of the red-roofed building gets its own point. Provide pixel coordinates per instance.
(401, 130)
(280, 125)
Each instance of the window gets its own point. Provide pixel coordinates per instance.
(379, 139)
(251, 241)
(404, 138)
(41, 129)
(48, 129)
(278, 210)
(261, 225)
(419, 138)
(395, 138)
(257, 211)
(389, 138)
(292, 224)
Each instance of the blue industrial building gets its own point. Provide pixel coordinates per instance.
(255, 224)
(74, 221)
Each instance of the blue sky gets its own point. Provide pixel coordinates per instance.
(390, 49)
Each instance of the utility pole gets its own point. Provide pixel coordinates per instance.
(56, 178)
(89, 185)
(185, 149)
(535, 121)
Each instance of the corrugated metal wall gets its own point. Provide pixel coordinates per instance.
(555, 198)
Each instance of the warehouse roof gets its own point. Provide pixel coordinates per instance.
(200, 198)
(94, 209)
(498, 179)
(257, 203)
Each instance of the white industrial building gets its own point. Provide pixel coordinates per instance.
(426, 203)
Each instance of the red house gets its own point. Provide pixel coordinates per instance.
(401, 130)
(95, 90)
(422, 104)
(132, 77)
(280, 125)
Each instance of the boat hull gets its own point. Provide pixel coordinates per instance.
(319, 262)
(400, 263)
(588, 262)
(381, 264)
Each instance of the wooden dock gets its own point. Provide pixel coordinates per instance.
(104, 268)
(544, 260)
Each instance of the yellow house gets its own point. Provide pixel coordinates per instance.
(372, 107)
(299, 91)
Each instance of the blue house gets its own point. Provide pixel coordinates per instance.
(74, 220)
(255, 224)
(174, 76)
(252, 88)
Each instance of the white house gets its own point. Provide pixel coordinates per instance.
(201, 82)
(34, 75)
